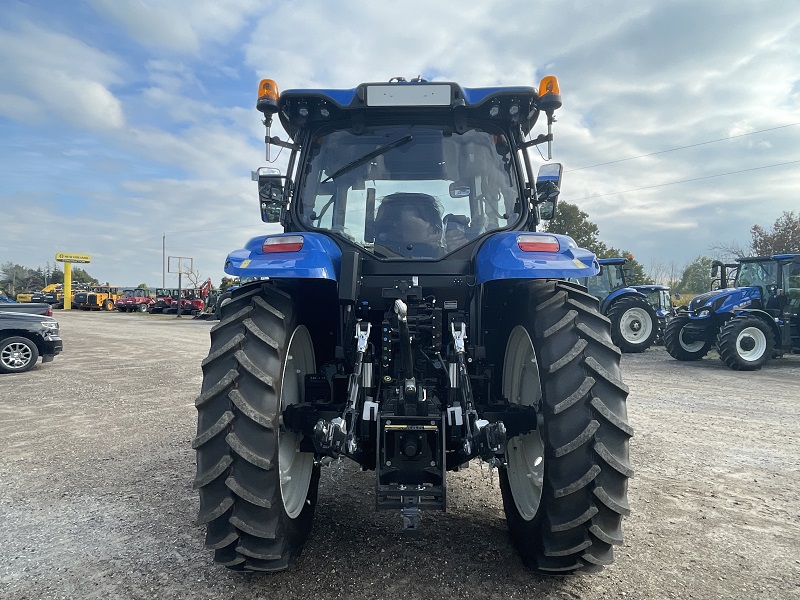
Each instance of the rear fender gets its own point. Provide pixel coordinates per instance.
(318, 258)
(501, 258)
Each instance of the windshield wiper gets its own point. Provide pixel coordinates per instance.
(369, 156)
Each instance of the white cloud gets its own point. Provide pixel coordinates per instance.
(159, 98)
(178, 26)
(71, 83)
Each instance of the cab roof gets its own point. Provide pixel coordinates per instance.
(301, 108)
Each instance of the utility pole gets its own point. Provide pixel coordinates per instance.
(164, 260)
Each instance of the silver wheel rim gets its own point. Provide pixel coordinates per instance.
(693, 347)
(636, 325)
(295, 467)
(16, 355)
(524, 453)
(759, 341)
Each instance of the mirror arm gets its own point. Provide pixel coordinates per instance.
(540, 139)
(276, 141)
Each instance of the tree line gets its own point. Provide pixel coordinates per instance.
(692, 278)
(16, 278)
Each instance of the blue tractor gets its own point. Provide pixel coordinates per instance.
(410, 318)
(755, 320)
(634, 320)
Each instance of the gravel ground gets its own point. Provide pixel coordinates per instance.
(96, 498)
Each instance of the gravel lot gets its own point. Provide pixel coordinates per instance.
(96, 499)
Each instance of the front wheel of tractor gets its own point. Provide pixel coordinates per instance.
(677, 344)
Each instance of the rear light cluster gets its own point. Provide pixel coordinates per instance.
(285, 243)
(529, 242)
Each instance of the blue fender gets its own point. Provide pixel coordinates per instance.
(605, 303)
(319, 258)
(501, 258)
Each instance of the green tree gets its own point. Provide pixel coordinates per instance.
(13, 276)
(81, 276)
(696, 277)
(572, 221)
(636, 274)
(141, 286)
(783, 238)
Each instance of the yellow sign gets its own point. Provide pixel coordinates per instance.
(73, 258)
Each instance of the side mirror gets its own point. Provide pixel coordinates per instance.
(548, 186)
(271, 193)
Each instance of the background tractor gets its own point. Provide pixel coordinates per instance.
(412, 320)
(755, 320)
(634, 319)
(135, 300)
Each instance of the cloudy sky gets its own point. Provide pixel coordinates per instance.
(128, 124)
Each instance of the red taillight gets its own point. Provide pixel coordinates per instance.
(48, 312)
(538, 243)
(286, 243)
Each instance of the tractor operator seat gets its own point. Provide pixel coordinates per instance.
(410, 224)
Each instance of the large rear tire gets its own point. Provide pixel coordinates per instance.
(224, 299)
(258, 492)
(634, 324)
(565, 484)
(676, 344)
(745, 343)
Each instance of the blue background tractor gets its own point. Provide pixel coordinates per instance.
(634, 320)
(755, 320)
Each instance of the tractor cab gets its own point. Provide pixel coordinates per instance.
(409, 170)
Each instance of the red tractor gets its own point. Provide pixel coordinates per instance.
(138, 300)
(164, 300)
(193, 300)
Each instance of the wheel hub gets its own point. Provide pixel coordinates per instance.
(747, 343)
(15, 357)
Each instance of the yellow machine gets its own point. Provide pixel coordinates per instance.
(28, 296)
(97, 297)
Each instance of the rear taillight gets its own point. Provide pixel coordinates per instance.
(48, 312)
(286, 243)
(528, 242)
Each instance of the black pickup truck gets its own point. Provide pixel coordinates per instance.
(24, 338)
(35, 308)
